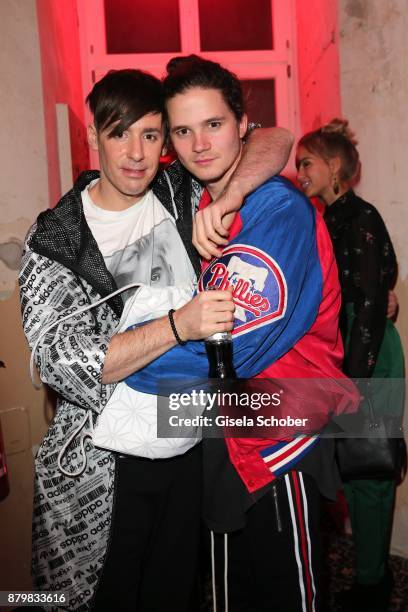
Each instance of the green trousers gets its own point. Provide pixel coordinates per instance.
(371, 502)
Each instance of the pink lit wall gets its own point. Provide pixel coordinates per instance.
(318, 62)
(61, 73)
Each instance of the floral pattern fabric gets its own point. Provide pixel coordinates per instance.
(367, 268)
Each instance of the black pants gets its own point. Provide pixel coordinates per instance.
(151, 563)
(272, 564)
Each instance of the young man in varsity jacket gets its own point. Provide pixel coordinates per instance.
(263, 492)
(107, 527)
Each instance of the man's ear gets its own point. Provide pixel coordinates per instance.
(164, 150)
(92, 137)
(243, 125)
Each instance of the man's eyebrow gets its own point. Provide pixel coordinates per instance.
(219, 118)
(150, 130)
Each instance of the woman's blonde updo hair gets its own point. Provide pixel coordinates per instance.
(335, 139)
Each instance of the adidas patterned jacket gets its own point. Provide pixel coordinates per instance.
(62, 270)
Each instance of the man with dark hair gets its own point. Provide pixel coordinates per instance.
(263, 492)
(110, 529)
(111, 100)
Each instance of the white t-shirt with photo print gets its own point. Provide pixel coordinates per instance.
(140, 244)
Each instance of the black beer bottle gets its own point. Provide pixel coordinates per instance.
(219, 353)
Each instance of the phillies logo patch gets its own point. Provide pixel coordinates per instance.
(258, 285)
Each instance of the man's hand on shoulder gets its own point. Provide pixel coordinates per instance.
(211, 225)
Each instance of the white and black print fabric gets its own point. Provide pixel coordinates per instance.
(71, 516)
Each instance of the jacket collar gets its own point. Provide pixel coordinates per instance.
(63, 235)
(177, 201)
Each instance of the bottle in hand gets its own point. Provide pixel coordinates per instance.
(219, 353)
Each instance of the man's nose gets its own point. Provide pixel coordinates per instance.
(201, 142)
(135, 148)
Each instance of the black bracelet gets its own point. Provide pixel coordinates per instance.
(173, 327)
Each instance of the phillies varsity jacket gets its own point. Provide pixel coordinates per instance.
(281, 267)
